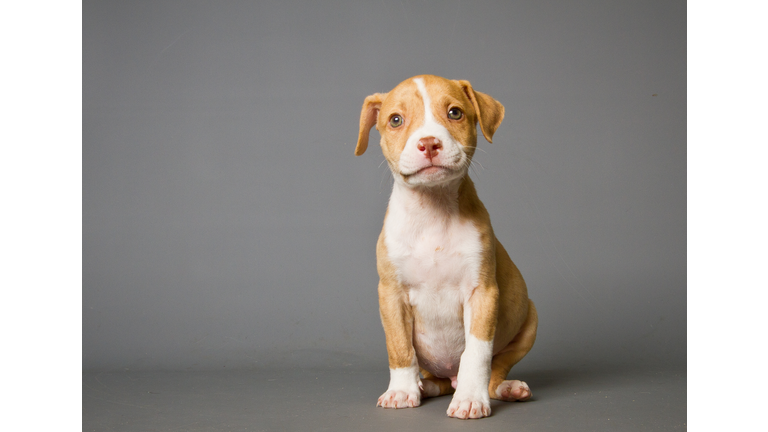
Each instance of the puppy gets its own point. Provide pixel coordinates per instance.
(453, 305)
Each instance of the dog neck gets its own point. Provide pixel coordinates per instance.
(431, 201)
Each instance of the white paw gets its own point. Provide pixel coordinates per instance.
(399, 399)
(513, 390)
(469, 408)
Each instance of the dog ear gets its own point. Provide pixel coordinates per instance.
(368, 117)
(490, 112)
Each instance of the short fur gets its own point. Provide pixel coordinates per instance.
(453, 305)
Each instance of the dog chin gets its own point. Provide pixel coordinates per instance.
(431, 176)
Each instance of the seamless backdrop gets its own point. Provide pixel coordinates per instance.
(227, 224)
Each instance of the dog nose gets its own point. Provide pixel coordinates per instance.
(430, 146)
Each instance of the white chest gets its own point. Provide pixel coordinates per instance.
(437, 257)
(430, 246)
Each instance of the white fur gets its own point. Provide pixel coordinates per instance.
(405, 379)
(437, 258)
(471, 399)
(404, 388)
(476, 367)
(472, 390)
(475, 372)
(450, 156)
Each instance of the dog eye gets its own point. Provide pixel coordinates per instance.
(396, 120)
(455, 114)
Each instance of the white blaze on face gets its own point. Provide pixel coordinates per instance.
(450, 156)
(429, 119)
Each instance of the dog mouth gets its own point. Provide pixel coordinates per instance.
(432, 169)
(427, 170)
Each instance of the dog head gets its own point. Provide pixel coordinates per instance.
(428, 127)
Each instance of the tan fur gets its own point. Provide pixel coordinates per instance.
(396, 313)
(514, 352)
(368, 117)
(492, 111)
(501, 311)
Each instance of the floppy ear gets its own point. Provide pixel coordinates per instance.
(490, 112)
(368, 117)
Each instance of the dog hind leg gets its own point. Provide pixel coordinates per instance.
(513, 390)
(432, 386)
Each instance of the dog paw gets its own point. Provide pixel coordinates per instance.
(469, 408)
(399, 399)
(513, 390)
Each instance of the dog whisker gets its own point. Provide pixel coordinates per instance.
(474, 171)
(381, 182)
(472, 167)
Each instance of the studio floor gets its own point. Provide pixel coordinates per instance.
(344, 400)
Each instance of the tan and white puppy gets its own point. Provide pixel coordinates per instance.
(453, 305)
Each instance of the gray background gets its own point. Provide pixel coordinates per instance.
(227, 224)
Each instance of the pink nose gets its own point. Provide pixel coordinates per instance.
(430, 146)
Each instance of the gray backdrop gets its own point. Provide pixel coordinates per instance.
(227, 224)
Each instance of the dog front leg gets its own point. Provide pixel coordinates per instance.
(397, 319)
(471, 399)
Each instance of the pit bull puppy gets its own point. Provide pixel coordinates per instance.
(453, 305)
